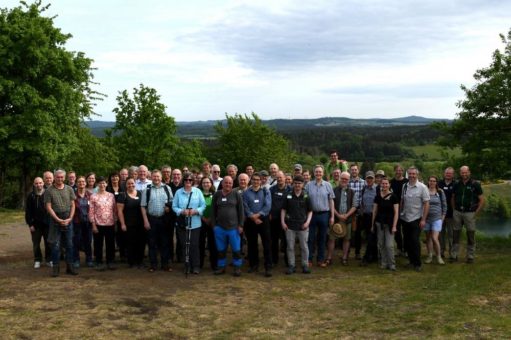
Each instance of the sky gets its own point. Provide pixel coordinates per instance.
(286, 58)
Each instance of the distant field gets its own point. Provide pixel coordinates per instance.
(433, 152)
(501, 190)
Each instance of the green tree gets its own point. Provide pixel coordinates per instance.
(245, 139)
(45, 93)
(145, 134)
(483, 126)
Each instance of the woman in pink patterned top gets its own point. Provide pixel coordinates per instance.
(103, 216)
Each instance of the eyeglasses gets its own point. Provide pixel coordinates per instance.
(216, 172)
(188, 180)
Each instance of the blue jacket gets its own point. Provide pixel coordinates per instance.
(197, 202)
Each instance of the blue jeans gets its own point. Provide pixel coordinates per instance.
(224, 238)
(319, 226)
(55, 249)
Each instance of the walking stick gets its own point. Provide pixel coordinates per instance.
(187, 246)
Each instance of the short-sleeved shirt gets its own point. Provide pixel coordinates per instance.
(448, 190)
(320, 195)
(278, 196)
(60, 199)
(227, 211)
(296, 208)
(386, 204)
(131, 210)
(466, 195)
(413, 198)
(157, 200)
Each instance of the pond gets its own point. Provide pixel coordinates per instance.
(494, 226)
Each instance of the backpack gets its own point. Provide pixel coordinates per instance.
(167, 192)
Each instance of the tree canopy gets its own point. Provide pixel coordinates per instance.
(483, 126)
(145, 134)
(45, 93)
(247, 140)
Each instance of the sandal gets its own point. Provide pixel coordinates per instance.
(327, 263)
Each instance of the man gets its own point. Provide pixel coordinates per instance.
(335, 163)
(396, 185)
(335, 177)
(227, 217)
(243, 180)
(446, 235)
(37, 220)
(414, 211)
(166, 174)
(367, 195)
(322, 197)
(295, 218)
(265, 180)
(175, 185)
(306, 177)
(345, 207)
(59, 200)
(379, 175)
(123, 176)
(356, 184)
(257, 206)
(278, 238)
(467, 200)
(142, 182)
(71, 179)
(297, 169)
(249, 170)
(154, 209)
(215, 175)
(47, 179)
(232, 171)
(272, 180)
(206, 169)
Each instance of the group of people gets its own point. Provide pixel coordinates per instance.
(181, 215)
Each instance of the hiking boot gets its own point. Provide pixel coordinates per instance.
(237, 272)
(429, 259)
(55, 271)
(219, 271)
(290, 270)
(439, 260)
(71, 270)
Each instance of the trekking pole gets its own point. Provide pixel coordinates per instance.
(187, 245)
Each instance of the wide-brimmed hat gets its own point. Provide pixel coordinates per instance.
(339, 229)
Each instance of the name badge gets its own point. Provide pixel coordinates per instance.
(279, 193)
(224, 199)
(137, 198)
(289, 196)
(256, 201)
(446, 188)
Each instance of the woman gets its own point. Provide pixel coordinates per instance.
(90, 181)
(130, 217)
(103, 216)
(114, 187)
(189, 205)
(435, 219)
(82, 238)
(206, 232)
(385, 217)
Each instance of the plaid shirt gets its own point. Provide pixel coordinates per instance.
(357, 185)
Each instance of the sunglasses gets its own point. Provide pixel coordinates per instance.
(188, 180)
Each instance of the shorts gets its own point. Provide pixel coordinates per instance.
(433, 226)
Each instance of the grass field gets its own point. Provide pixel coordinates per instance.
(456, 300)
(432, 152)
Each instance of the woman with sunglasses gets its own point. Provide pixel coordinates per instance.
(189, 206)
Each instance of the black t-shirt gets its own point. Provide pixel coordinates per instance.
(386, 208)
(448, 191)
(296, 208)
(397, 186)
(132, 213)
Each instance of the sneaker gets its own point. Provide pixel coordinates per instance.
(37, 264)
(392, 268)
(418, 268)
(429, 259)
(306, 270)
(100, 267)
(439, 260)
(290, 270)
(90, 264)
(196, 271)
(76, 264)
(49, 264)
(220, 271)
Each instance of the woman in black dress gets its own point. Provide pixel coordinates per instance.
(130, 216)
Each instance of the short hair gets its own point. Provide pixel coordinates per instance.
(166, 167)
(353, 164)
(334, 151)
(206, 163)
(101, 179)
(133, 168)
(232, 166)
(216, 167)
(397, 166)
(413, 167)
(319, 166)
(155, 171)
(59, 171)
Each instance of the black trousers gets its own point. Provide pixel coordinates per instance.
(252, 231)
(136, 240)
(357, 237)
(182, 234)
(106, 234)
(278, 241)
(371, 254)
(41, 232)
(398, 236)
(170, 224)
(120, 240)
(207, 233)
(411, 233)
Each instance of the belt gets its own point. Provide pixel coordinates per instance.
(153, 216)
(321, 212)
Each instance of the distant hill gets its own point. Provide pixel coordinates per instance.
(204, 129)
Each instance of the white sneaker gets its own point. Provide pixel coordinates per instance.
(49, 264)
(429, 259)
(37, 265)
(440, 261)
